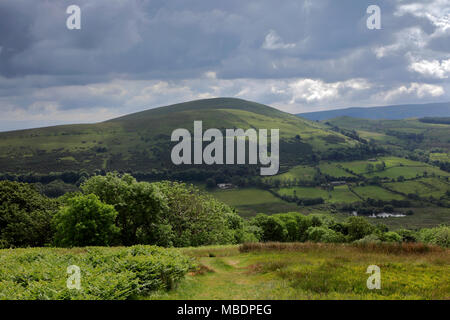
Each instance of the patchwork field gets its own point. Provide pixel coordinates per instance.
(313, 271)
(340, 194)
(334, 170)
(375, 192)
(299, 173)
(407, 172)
(250, 201)
(435, 156)
(424, 187)
(360, 167)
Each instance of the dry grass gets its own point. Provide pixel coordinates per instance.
(385, 248)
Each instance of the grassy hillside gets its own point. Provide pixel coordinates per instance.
(409, 134)
(141, 141)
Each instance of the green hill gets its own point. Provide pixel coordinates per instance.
(140, 142)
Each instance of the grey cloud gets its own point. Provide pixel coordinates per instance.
(130, 43)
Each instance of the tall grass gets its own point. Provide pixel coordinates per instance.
(385, 248)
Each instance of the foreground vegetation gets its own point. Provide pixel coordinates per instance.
(106, 273)
(314, 271)
(250, 271)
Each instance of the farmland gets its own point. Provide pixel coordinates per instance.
(339, 194)
(250, 201)
(376, 192)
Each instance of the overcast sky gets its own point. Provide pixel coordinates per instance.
(294, 55)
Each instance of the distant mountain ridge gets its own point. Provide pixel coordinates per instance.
(395, 112)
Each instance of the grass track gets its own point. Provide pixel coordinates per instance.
(313, 271)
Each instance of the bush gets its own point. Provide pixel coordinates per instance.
(439, 236)
(323, 234)
(407, 235)
(25, 216)
(85, 221)
(106, 273)
(273, 228)
(358, 228)
(371, 238)
(391, 236)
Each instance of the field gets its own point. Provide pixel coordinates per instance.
(300, 173)
(424, 187)
(436, 156)
(340, 194)
(334, 170)
(250, 201)
(407, 172)
(314, 271)
(375, 192)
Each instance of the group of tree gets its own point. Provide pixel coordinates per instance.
(116, 210)
(295, 227)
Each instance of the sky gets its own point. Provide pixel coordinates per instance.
(297, 56)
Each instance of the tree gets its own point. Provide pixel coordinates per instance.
(139, 205)
(273, 228)
(85, 221)
(323, 234)
(25, 215)
(196, 218)
(358, 228)
(210, 183)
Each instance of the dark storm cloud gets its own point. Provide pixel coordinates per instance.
(298, 55)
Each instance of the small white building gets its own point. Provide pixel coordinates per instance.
(225, 185)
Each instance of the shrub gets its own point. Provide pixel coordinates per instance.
(85, 221)
(323, 234)
(273, 228)
(439, 236)
(106, 273)
(358, 228)
(371, 238)
(391, 236)
(407, 235)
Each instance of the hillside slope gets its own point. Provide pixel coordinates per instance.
(385, 112)
(407, 134)
(141, 141)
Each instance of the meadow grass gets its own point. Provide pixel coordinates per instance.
(315, 271)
